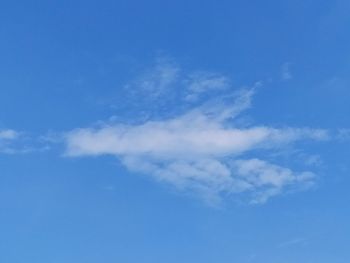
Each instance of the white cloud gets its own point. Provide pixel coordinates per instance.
(212, 178)
(268, 179)
(182, 127)
(201, 151)
(193, 134)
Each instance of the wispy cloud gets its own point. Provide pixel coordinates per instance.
(156, 81)
(202, 83)
(7, 138)
(201, 150)
(286, 73)
(165, 89)
(343, 134)
(294, 242)
(8, 135)
(14, 142)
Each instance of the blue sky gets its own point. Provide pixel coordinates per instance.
(174, 131)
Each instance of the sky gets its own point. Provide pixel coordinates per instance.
(174, 131)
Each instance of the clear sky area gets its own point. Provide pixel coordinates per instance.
(174, 131)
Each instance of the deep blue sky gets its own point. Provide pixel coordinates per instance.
(76, 64)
